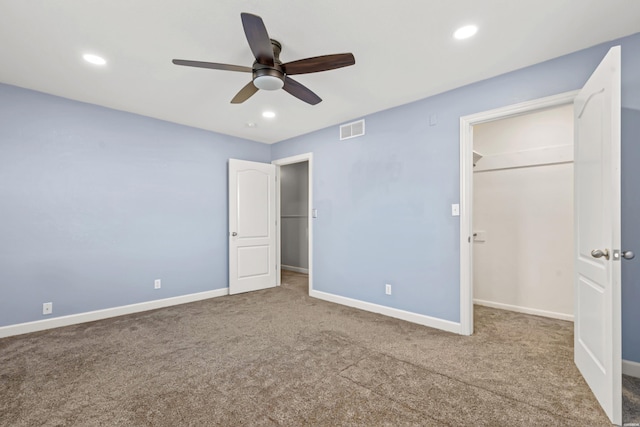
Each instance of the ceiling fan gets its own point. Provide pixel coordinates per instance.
(269, 73)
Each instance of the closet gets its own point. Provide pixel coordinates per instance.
(523, 213)
(294, 216)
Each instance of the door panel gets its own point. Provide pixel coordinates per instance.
(253, 261)
(591, 329)
(253, 203)
(252, 226)
(597, 346)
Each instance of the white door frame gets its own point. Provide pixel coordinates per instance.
(466, 190)
(307, 157)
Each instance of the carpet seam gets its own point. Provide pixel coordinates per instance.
(476, 386)
(417, 411)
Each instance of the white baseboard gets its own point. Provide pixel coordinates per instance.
(421, 319)
(631, 368)
(90, 316)
(296, 269)
(525, 310)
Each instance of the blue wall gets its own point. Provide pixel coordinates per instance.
(384, 200)
(97, 203)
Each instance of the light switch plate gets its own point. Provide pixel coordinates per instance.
(455, 209)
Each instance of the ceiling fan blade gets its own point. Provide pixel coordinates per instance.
(301, 92)
(245, 93)
(258, 38)
(212, 65)
(319, 63)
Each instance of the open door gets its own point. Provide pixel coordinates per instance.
(597, 336)
(252, 226)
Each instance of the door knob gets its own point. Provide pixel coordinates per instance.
(597, 253)
(234, 234)
(628, 255)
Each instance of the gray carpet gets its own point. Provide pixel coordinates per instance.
(278, 357)
(630, 400)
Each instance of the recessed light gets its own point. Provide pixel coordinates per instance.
(465, 32)
(94, 59)
(268, 114)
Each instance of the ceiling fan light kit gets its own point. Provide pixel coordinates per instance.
(268, 79)
(268, 72)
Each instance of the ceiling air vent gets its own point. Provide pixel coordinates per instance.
(351, 130)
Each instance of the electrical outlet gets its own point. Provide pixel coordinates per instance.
(47, 308)
(387, 289)
(157, 284)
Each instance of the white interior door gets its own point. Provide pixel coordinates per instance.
(597, 338)
(252, 226)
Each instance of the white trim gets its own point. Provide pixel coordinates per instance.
(631, 368)
(525, 310)
(91, 316)
(306, 157)
(466, 190)
(296, 269)
(278, 229)
(420, 319)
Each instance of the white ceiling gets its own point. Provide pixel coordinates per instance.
(403, 49)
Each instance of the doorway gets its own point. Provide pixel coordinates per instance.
(523, 213)
(466, 190)
(295, 213)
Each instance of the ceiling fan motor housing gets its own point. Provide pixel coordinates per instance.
(266, 77)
